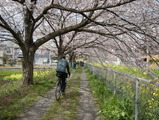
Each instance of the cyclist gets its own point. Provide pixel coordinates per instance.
(62, 66)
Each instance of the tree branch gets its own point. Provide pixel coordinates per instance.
(8, 28)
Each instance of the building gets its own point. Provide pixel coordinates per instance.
(14, 54)
(42, 59)
(152, 61)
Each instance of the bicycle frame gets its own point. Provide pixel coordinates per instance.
(58, 92)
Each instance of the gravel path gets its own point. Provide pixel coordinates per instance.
(87, 106)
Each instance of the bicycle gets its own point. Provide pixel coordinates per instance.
(58, 89)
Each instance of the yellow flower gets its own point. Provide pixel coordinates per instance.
(157, 89)
(145, 73)
(157, 94)
(152, 67)
(149, 101)
(150, 107)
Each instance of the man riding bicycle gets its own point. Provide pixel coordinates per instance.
(62, 66)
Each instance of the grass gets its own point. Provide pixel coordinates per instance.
(7, 73)
(66, 108)
(131, 70)
(14, 99)
(122, 104)
(112, 107)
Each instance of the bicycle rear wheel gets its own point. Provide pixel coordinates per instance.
(58, 91)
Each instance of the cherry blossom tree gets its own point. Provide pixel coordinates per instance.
(32, 23)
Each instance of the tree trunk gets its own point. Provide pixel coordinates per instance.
(28, 68)
(72, 56)
(60, 53)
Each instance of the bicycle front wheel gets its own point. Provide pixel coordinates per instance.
(58, 91)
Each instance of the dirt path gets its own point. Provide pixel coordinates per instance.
(87, 106)
(39, 108)
(86, 109)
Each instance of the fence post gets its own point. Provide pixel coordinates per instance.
(114, 83)
(99, 73)
(106, 76)
(93, 70)
(136, 99)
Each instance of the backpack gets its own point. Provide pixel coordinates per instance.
(62, 65)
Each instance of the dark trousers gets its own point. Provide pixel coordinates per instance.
(62, 76)
(63, 85)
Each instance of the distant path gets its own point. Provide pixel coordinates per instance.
(10, 68)
(87, 109)
(14, 68)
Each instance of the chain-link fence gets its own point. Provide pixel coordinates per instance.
(142, 93)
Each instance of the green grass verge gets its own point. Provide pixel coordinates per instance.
(131, 70)
(6, 73)
(14, 99)
(112, 107)
(66, 108)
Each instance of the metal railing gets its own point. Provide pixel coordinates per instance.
(144, 94)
